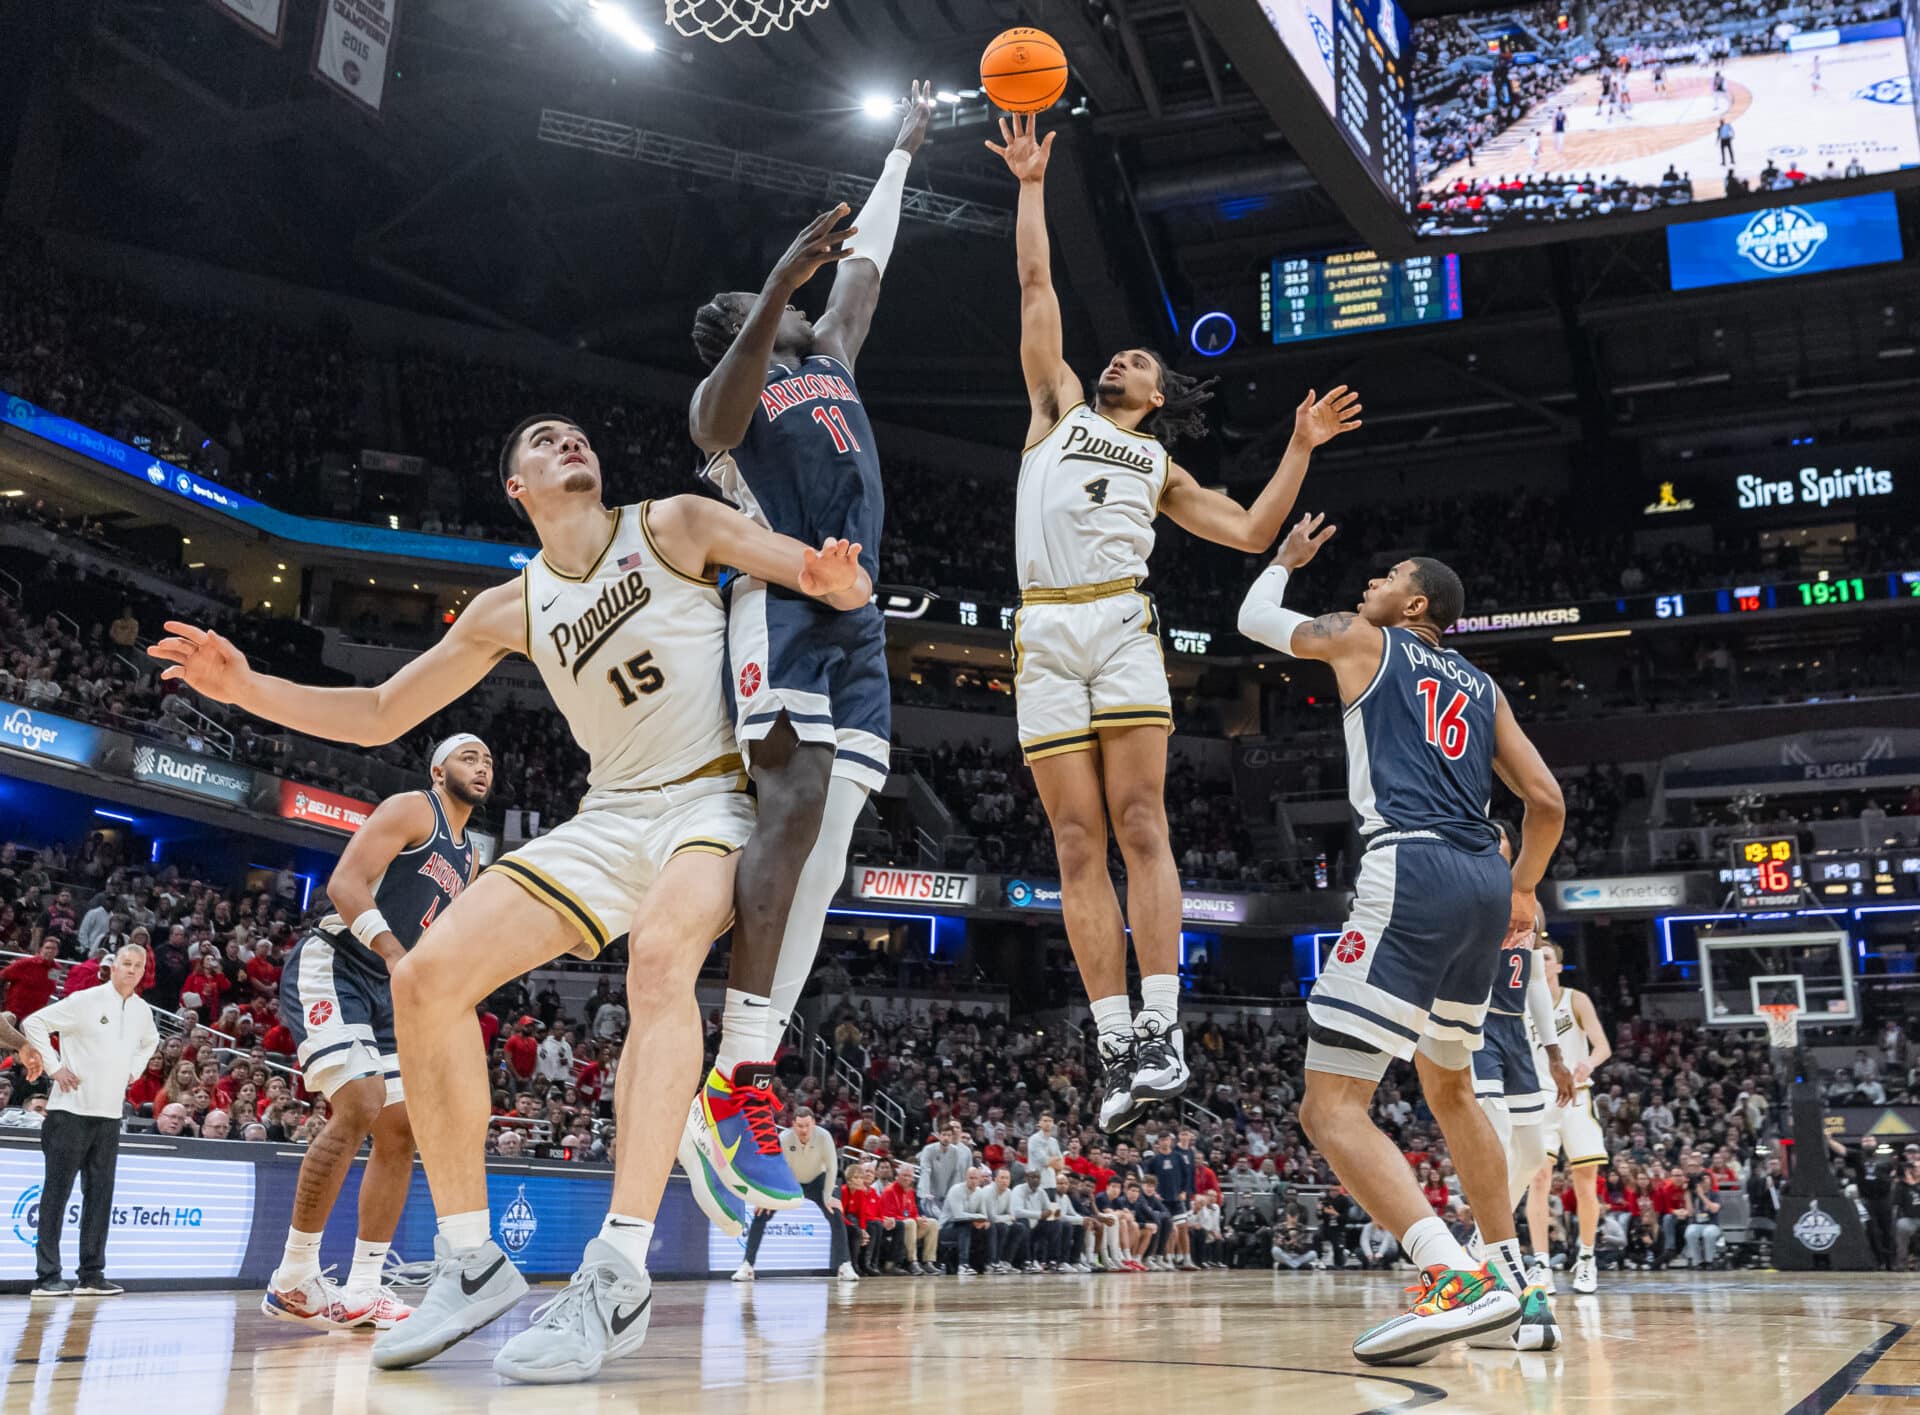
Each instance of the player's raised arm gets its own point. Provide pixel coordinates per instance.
(1520, 766)
(493, 627)
(1217, 517)
(1345, 640)
(723, 403)
(842, 330)
(697, 531)
(398, 823)
(1051, 386)
(1599, 1049)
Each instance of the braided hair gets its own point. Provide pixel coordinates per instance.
(714, 330)
(1179, 418)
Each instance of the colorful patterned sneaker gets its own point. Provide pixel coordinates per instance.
(316, 1304)
(384, 1313)
(719, 1201)
(1450, 1304)
(742, 1140)
(1538, 1331)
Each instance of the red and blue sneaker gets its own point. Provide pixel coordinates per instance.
(718, 1200)
(743, 1137)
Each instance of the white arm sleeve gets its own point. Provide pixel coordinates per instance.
(1540, 1005)
(879, 220)
(1261, 617)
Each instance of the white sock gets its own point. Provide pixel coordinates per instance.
(1505, 1258)
(1429, 1245)
(743, 1030)
(1159, 1000)
(1586, 1250)
(299, 1260)
(629, 1237)
(823, 874)
(368, 1259)
(467, 1231)
(1114, 1017)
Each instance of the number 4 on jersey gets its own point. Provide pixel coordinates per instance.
(1096, 490)
(1446, 729)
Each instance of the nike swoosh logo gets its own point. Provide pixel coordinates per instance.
(1130, 618)
(622, 1320)
(472, 1288)
(549, 604)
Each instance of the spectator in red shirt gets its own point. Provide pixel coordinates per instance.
(489, 1029)
(919, 1236)
(860, 1206)
(149, 1083)
(262, 973)
(1205, 1181)
(208, 983)
(523, 1052)
(88, 974)
(30, 980)
(1435, 1190)
(278, 1039)
(590, 1077)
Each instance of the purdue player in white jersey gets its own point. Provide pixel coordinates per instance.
(1573, 1129)
(621, 615)
(1090, 684)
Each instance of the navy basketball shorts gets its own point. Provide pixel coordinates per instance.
(341, 1016)
(825, 671)
(1506, 1068)
(1413, 966)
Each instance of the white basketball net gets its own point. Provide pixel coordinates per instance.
(722, 20)
(1783, 1025)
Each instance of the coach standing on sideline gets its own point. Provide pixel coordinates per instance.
(106, 1036)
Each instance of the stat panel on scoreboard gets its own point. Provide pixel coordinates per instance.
(1351, 292)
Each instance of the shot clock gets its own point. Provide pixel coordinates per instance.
(1766, 869)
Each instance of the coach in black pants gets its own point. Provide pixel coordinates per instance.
(106, 1036)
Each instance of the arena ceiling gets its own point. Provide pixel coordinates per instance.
(160, 123)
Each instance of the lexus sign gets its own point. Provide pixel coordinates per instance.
(911, 886)
(1620, 895)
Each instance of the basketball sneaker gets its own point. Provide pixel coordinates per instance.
(1119, 1111)
(385, 1310)
(465, 1291)
(1586, 1274)
(1159, 1062)
(1450, 1304)
(1540, 1273)
(1538, 1331)
(719, 1201)
(317, 1304)
(742, 1142)
(599, 1315)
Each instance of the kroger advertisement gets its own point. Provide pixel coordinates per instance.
(1810, 238)
(210, 495)
(43, 734)
(173, 1218)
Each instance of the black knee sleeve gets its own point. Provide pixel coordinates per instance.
(1327, 1037)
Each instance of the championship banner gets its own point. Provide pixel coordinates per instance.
(265, 18)
(350, 47)
(311, 806)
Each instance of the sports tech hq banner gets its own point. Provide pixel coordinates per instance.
(350, 47)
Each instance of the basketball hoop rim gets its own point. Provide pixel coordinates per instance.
(1783, 1022)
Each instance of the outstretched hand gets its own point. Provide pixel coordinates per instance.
(913, 131)
(834, 567)
(820, 244)
(1317, 422)
(1303, 542)
(203, 660)
(32, 1062)
(1025, 154)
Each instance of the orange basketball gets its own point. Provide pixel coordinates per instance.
(1024, 70)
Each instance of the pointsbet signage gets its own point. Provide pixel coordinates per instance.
(895, 886)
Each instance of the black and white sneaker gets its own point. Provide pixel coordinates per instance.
(1119, 1111)
(1160, 1062)
(52, 1287)
(97, 1287)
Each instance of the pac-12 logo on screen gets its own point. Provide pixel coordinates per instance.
(1352, 946)
(1897, 91)
(519, 1223)
(1781, 240)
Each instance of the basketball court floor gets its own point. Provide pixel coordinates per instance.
(1225, 1343)
(1771, 101)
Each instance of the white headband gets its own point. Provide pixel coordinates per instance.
(452, 745)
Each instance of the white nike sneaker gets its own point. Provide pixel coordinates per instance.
(1540, 1274)
(847, 1273)
(600, 1315)
(465, 1292)
(1586, 1275)
(743, 1273)
(1119, 1111)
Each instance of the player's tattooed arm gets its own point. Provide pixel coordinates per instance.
(1327, 626)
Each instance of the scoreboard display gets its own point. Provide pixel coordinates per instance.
(1765, 870)
(1351, 292)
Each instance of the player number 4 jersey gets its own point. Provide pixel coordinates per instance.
(1089, 491)
(632, 653)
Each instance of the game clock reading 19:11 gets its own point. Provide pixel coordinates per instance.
(1815, 592)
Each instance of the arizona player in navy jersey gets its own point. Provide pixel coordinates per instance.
(398, 873)
(789, 444)
(1409, 976)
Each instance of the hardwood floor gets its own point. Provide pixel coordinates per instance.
(1740, 1343)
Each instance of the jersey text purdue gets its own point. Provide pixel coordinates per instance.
(618, 603)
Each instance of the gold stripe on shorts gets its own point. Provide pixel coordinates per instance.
(1078, 594)
(565, 902)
